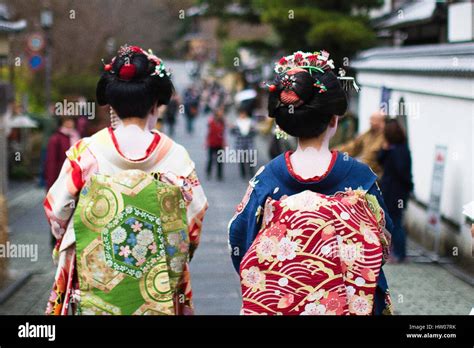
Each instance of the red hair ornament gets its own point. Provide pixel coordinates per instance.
(127, 72)
(288, 97)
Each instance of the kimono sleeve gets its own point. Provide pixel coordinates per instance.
(61, 199)
(377, 205)
(245, 224)
(196, 210)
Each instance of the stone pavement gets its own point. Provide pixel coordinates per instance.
(420, 287)
(214, 280)
(28, 226)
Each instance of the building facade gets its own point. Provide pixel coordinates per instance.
(430, 88)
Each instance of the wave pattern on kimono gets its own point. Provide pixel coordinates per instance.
(315, 255)
(98, 157)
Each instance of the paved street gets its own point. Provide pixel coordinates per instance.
(215, 282)
(28, 225)
(423, 288)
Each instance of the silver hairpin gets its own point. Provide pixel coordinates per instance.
(347, 81)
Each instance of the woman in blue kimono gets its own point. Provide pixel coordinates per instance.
(306, 100)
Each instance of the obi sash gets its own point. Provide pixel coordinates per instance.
(132, 244)
(315, 255)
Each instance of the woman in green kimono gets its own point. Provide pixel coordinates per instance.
(125, 236)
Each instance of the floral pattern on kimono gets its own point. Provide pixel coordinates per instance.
(314, 254)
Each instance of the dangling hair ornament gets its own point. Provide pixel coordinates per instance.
(348, 82)
(107, 67)
(271, 88)
(280, 133)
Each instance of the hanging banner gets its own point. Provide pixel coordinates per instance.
(385, 100)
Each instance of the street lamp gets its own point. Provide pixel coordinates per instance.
(46, 20)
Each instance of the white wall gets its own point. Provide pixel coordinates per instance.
(461, 22)
(432, 120)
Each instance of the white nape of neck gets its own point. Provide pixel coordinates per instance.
(310, 161)
(133, 140)
(313, 157)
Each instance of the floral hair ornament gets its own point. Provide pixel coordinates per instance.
(311, 61)
(317, 61)
(128, 70)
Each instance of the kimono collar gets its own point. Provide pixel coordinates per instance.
(338, 173)
(105, 145)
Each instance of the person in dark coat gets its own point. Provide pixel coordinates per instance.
(396, 182)
(60, 141)
(170, 114)
(244, 132)
(191, 108)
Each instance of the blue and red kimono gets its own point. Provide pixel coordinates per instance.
(278, 179)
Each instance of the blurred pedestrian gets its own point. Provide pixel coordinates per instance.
(215, 98)
(205, 95)
(396, 182)
(191, 107)
(82, 122)
(244, 132)
(60, 141)
(247, 99)
(367, 145)
(278, 145)
(346, 130)
(215, 142)
(170, 114)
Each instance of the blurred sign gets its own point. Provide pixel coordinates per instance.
(434, 211)
(35, 62)
(35, 42)
(385, 100)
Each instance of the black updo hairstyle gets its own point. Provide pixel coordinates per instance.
(310, 116)
(134, 97)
